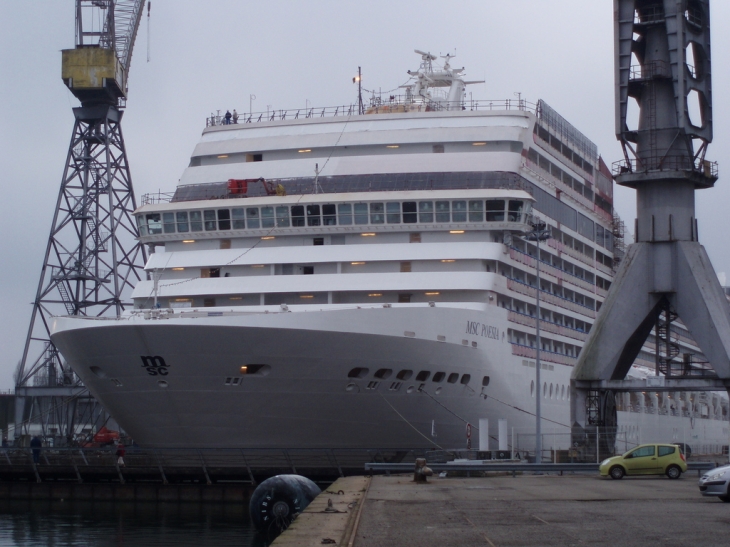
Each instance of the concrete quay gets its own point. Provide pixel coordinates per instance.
(527, 510)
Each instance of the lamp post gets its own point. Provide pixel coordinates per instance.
(540, 232)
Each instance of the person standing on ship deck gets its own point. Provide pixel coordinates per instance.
(228, 117)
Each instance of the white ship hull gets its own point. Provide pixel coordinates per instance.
(307, 400)
(304, 400)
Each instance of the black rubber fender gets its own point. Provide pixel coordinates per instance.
(277, 500)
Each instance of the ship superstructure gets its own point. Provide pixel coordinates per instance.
(329, 279)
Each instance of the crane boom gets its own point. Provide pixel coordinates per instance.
(127, 15)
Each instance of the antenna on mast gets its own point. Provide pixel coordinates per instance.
(149, 6)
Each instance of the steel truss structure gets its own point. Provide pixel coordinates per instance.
(92, 260)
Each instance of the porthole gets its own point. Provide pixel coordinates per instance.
(351, 387)
(544, 390)
(358, 372)
(562, 393)
(411, 389)
(97, 370)
(465, 379)
(438, 390)
(453, 378)
(438, 377)
(383, 373)
(162, 383)
(485, 381)
(551, 391)
(423, 375)
(532, 388)
(255, 370)
(404, 374)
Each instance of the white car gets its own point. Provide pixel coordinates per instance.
(716, 482)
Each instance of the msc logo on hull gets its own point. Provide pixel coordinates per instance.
(154, 364)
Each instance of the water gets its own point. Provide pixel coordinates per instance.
(60, 524)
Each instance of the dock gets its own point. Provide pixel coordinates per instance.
(500, 510)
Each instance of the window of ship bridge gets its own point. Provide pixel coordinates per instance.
(377, 213)
(252, 217)
(476, 210)
(331, 214)
(313, 215)
(458, 211)
(168, 223)
(495, 211)
(361, 213)
(182, 221)
(392, 210)
(209, 220)
(425, 211)
(154, 223)
(196, 221)
(267, 217)
(224, 219)
(345, 213)
(239, 218)
(443, 211)
(282, 216)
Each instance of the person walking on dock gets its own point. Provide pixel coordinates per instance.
(35, 445)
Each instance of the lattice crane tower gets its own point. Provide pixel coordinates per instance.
(92, 259)
(662, 61)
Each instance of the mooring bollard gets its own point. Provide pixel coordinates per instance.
(421, 471)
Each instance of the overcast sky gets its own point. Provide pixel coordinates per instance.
(213, 54)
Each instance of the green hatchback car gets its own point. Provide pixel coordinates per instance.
(646, 459)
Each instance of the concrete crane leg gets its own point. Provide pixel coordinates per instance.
(677, 272)
(703, 307)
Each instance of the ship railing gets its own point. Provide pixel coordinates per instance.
(530, 352)
(652, 70)
(555, 271)
(549, 326)
(666, 163)
(157, 197)
(390, 105)
(560, 301)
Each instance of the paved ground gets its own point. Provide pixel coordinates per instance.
(541, 510)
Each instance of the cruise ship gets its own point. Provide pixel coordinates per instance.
(359, 277)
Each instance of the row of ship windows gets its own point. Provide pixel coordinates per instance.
(331, 214)
(422, 376)
(563, 148)
(551, 391)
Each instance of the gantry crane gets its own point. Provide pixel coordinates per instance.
(92, 259)
(667, 274)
